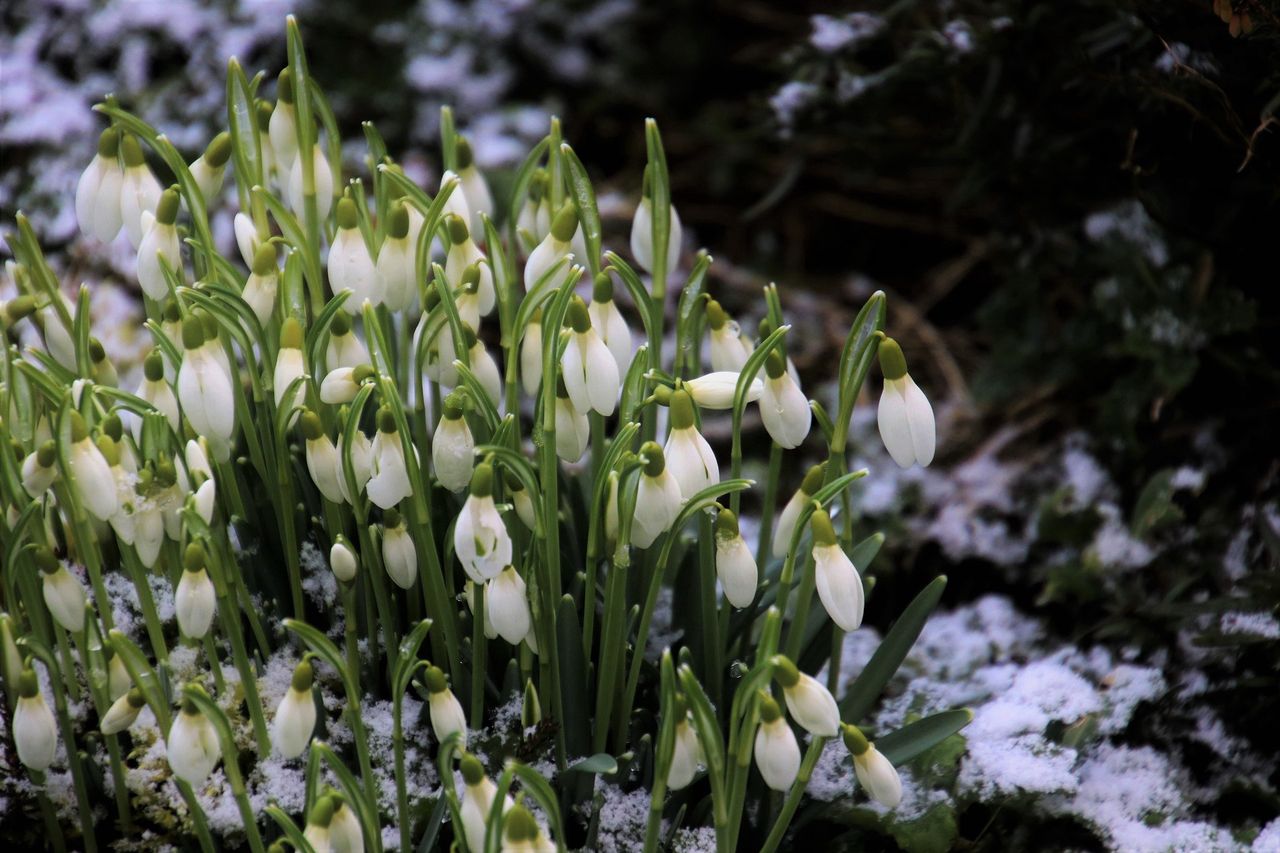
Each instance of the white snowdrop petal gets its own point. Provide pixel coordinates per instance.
(601, 374)
(920, 421)
(294, 723)
(573, 367)
(507, 606)
(879, 777)
(35, 733)
(839, 586)
(895, 429)
(812, 706)
(736, 568)
(777, 754)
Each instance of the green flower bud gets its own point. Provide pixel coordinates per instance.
(346, 216)
(153, 366)
(854, 739)
(291, 333)
(602, 287)
(303, 676)
(79, 429)
(681, 410)
(20, 308)
(45, 560)
(452, 408)
(655, 463)
(284, 86)
(813, 479)
(219, 150)
(769, 710)
(774, 364)
(309, 424)
(472, 770)
(435, 680)
(263, 110)
(264, 260)
(577, 317)
(892, 362)
(109, 143)
(716, 316)
(538, 185)
(386, 420)
(482, 481)
(727, 524)
(519, 824)
(192, 333)
(391, 518)
(113, 426)
(457, 228)
(47, 454)
(193, 558)
(28, 684)
(565, 223)
(823, 533)
(131, 151)
(398, 221)
(462, 150)
(341, 324)
(785, 672)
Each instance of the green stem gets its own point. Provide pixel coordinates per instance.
(478, 650)
(713, 662)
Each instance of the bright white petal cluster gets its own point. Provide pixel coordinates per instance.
(295, 718)
(98, 191)
(35, 733)
(809, 703)
(479, 535)
(838, 582)
(192, 745)
(905, 417)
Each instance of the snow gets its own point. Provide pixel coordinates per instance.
(1263, 625)
(831, 34)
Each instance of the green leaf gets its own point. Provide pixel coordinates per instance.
(913, 739)
(602, 763)
(584, 196)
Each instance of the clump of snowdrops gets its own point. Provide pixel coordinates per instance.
(503, 462)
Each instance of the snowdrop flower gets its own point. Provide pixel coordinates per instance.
(192, 745)
(39, 470)
(204, 389)
(345, 834)
(777, 753)
(556, 245)
(282, 128)
(535, 216)
(905, 417)
(642, 231)
(98, 191)
(95, 485)
(118, 679)
(531, 355)
(875, 772)
(456, 203)
(483, 367)
(590, 372)
(341, 385)
(318, 822)
(263, 283)
(783, 406)
(452, 447)
(716, 390)
(322, 457)
(35, 734)
(473, 186)
(396, 260)
(687, 754)
(463, 253)
(399, 554)
(573, 429)
(361, 453)
(390, 481)
(658, 498)
(839, 585)
(607, 319)
(343, 560)
(790, 514)
(104, 372)
(446, 711)
(351, 266)
(64, 595)
(323, 185)
(521, 833)
(469, 594)
(735, 565)
(123, 712)
(477, 801)
(519, 497)
(729, 347)
(290, 366)
(688, 454)
(507, 606)
(262, 111)
(247, 240)
(194, 600)
(148, 520)
(57, 337)
(139, 189)
(479, 536)
(811, 705)
(295, 718)
(209, 167)
(344, 349)
(122, 521)
(156, 391)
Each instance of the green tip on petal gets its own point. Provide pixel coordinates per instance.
(434, 679)
(312, 429)
(79, 429)
(291, 333)
(17, 309)
(192, 333)
(46, 454)
(113, 426)
(28, 684)
(813, 479)
(109, 143)
(136, 698)
(167, 209)
(398, 221)
(322, 812)
(346, 215)
(391, 518)
(264, 260)
(785, 672)
(681, 410)
(774, 364)
(566, 222)
(769, 710)
(153, 366)
(45, 560)
(472, 769)
(263, 110)
(219, 150)
(820, 524)
(893, 364)
(452, 408)
(341, 324)
(457, 228)
(854, 739)
(520, 825)
(716, 316)
(462, 150)
(284, 86)
(578, 318)
(482, 481)
(471, 278)
(655, 462)
(727, 524)
(193, 559)
(131, 151)
(602, 288)
(386, 420)
(303, 676)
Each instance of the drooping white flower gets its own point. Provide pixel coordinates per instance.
(658, 498)
(735, 565)
(204, 389)
(474, 186)
(343, 560)
(507, 606)
(98, 191)
(95, 485)
(290, 366)
(729, 347)
(535, 215)
(345, 834)
(139, 189)
(156, 390)
(396, 260)
(531, 354)
(777, 752)
(447, 716)
(322, 457)
(35, 733)
(452, 448)
(208, 169)
(689, 456)
(483, 367)
(589, 370)
(556, 245)
(270, 171)
(192, 745)
(123, 712)
(344, 349)
(263, 283)
(875, 772)
(39, 469)
(399, 554)
(811, 705)
(323, 185)
(687, 754)
(295, 718)
(607, 320)
(642, 229)
(464, 253)
(57, 337)
(118, 679)
(456, 203)
(480, 537)
(477, 800)
(361, 453)
(195, 599)
(247, 240)
(783, 406)
(341, 385)
(319, 819)
(351, 267)
(905, 417)
(715, 390)
(282, 127)
(573, 429)
(839, 584)
(64, 595)
(390, 481)
(522, 834)
(790, 514)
